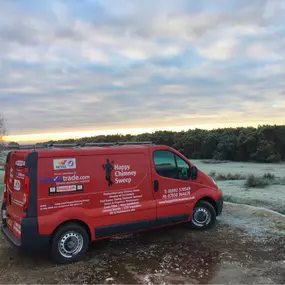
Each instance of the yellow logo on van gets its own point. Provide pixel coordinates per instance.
(61, 162)
(64, 163)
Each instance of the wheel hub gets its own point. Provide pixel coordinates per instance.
(201, 216)
(70, 244)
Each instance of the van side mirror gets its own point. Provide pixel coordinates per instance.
(194, 173)
(189, 172)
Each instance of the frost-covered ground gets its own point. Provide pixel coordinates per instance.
(245, 247)
(271, 197)
(243, 168)
(3, 155)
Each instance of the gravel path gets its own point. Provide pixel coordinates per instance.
(245, 247)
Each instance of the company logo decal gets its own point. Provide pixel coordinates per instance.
(66, 178)
(20, 175)
(20, 163)
(108, 167)
(123, 173)
(67, 163)
(17, 185)
(51, 179)
(65, 189)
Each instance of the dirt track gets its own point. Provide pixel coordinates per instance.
(250, 250)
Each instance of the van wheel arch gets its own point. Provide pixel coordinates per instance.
(209, 200)
(70, 241)
(74, 221)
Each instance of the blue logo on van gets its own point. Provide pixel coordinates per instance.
(51, 180)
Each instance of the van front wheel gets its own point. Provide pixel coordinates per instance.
(69, 243)
(203, 216)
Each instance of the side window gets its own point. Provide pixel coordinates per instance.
(183, 168)
(165, 164)
(170, 165)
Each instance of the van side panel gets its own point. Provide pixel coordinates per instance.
(101, 190)
(127, 203)
(59, 198)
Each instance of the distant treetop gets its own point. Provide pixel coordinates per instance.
(262, 144)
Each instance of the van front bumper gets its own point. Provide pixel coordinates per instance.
(220, 205)
(30, 240)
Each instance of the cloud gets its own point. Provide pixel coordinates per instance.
(130, 64)
(261, 51)
(223, 49)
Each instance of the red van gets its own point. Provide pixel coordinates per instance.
(62, 198)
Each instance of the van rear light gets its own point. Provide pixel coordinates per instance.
(25, 200)
(26, 193)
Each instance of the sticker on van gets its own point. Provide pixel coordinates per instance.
(20, 175)
(65, 189)
(65, 163)
(123, 173)
(17, 185)
(20, 163)
(65, 179)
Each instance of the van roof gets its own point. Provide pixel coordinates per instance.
(64, 151)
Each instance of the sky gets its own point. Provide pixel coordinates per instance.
(86, 67)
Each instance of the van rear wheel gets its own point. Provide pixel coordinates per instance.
(203, 216)
(70, 243)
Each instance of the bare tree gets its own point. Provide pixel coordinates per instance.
(3, 130)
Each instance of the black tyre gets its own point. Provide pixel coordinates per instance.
(70, 243)
(203, 216)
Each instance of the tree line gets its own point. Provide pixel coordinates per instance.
(261, 144)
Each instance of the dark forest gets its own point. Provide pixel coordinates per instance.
(262, 144)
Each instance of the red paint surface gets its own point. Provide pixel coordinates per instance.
(131, 197)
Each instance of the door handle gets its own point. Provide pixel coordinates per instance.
(156, 185)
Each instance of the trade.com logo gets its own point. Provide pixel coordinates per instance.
(51, 179)
(73, 178)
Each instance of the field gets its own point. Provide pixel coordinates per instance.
(271, 196)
